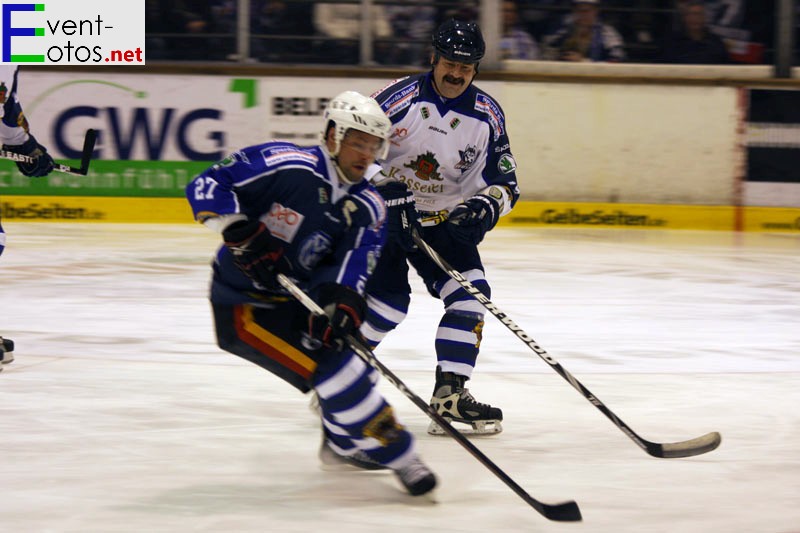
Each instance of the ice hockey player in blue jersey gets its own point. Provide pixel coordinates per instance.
(308, 213)
(450, 148)
(15, 137)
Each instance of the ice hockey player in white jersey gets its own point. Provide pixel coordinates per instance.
(15, 137)
(450, 157)
(308, 213)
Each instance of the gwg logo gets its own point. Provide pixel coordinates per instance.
(72, 32)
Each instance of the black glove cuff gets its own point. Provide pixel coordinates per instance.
(334, 293)
(240, 231)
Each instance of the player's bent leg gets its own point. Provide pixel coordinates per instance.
(458, 342)
(384, 313)
(360, 426)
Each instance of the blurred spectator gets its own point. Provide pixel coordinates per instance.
(154, 26)
(414, 23)
(541, 17)
(584, 37)
(343, 23)
(466, 11)
(516, 43)
(192, 19)
(277, 18)
(643, 25)
(694, 42)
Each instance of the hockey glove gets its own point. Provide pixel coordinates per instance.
(42, 164)
(469, 221)
(350, 212)
(344, 312)
(256, 252)
(402, 216)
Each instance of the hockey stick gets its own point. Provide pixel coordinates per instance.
(562, 512)
(86, 156)
(687, 448)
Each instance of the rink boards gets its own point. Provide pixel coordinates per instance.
(526, 213)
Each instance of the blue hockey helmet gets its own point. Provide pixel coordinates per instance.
(459, 41)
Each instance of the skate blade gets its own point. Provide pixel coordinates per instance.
(481, 427)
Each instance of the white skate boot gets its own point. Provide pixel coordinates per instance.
(416, 477)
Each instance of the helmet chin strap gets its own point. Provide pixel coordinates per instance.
(339, 172)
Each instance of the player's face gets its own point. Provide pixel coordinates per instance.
(452, 78)
(358, 150)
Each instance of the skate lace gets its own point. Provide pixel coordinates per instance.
(470, 399)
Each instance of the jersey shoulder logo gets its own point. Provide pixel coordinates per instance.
(232, 159)
(494, 116)
(400, 100)
(506, 165)
(425, 167)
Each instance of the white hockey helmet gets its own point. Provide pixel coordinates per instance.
(351, 110)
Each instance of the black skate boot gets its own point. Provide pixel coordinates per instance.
(417, 478)
(6, 352)
(456, 404)
(333, 460)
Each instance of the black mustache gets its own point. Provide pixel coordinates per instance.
(456, 81)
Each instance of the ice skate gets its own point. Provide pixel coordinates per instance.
(6, 352)
(455, 403)
(416, 477)
(313, 404)
(333, 460)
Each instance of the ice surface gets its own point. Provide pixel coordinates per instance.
(121, 414)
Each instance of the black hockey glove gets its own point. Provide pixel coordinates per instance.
(256, 252)
(469, 221)
(42, 164)
(402, 216)
(348, 213)
(344, 312)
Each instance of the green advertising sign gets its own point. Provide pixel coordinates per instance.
(138, 179)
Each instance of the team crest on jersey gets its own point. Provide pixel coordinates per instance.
(313, 249)
(454, 123)
(506, 165)
(468, 157)
(425, 167)
(424, 112)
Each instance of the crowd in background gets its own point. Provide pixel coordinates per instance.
(298, 31)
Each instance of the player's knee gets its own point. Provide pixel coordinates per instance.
(384, 314)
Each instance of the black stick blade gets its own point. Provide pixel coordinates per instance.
(686, 448)
(561, 512)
